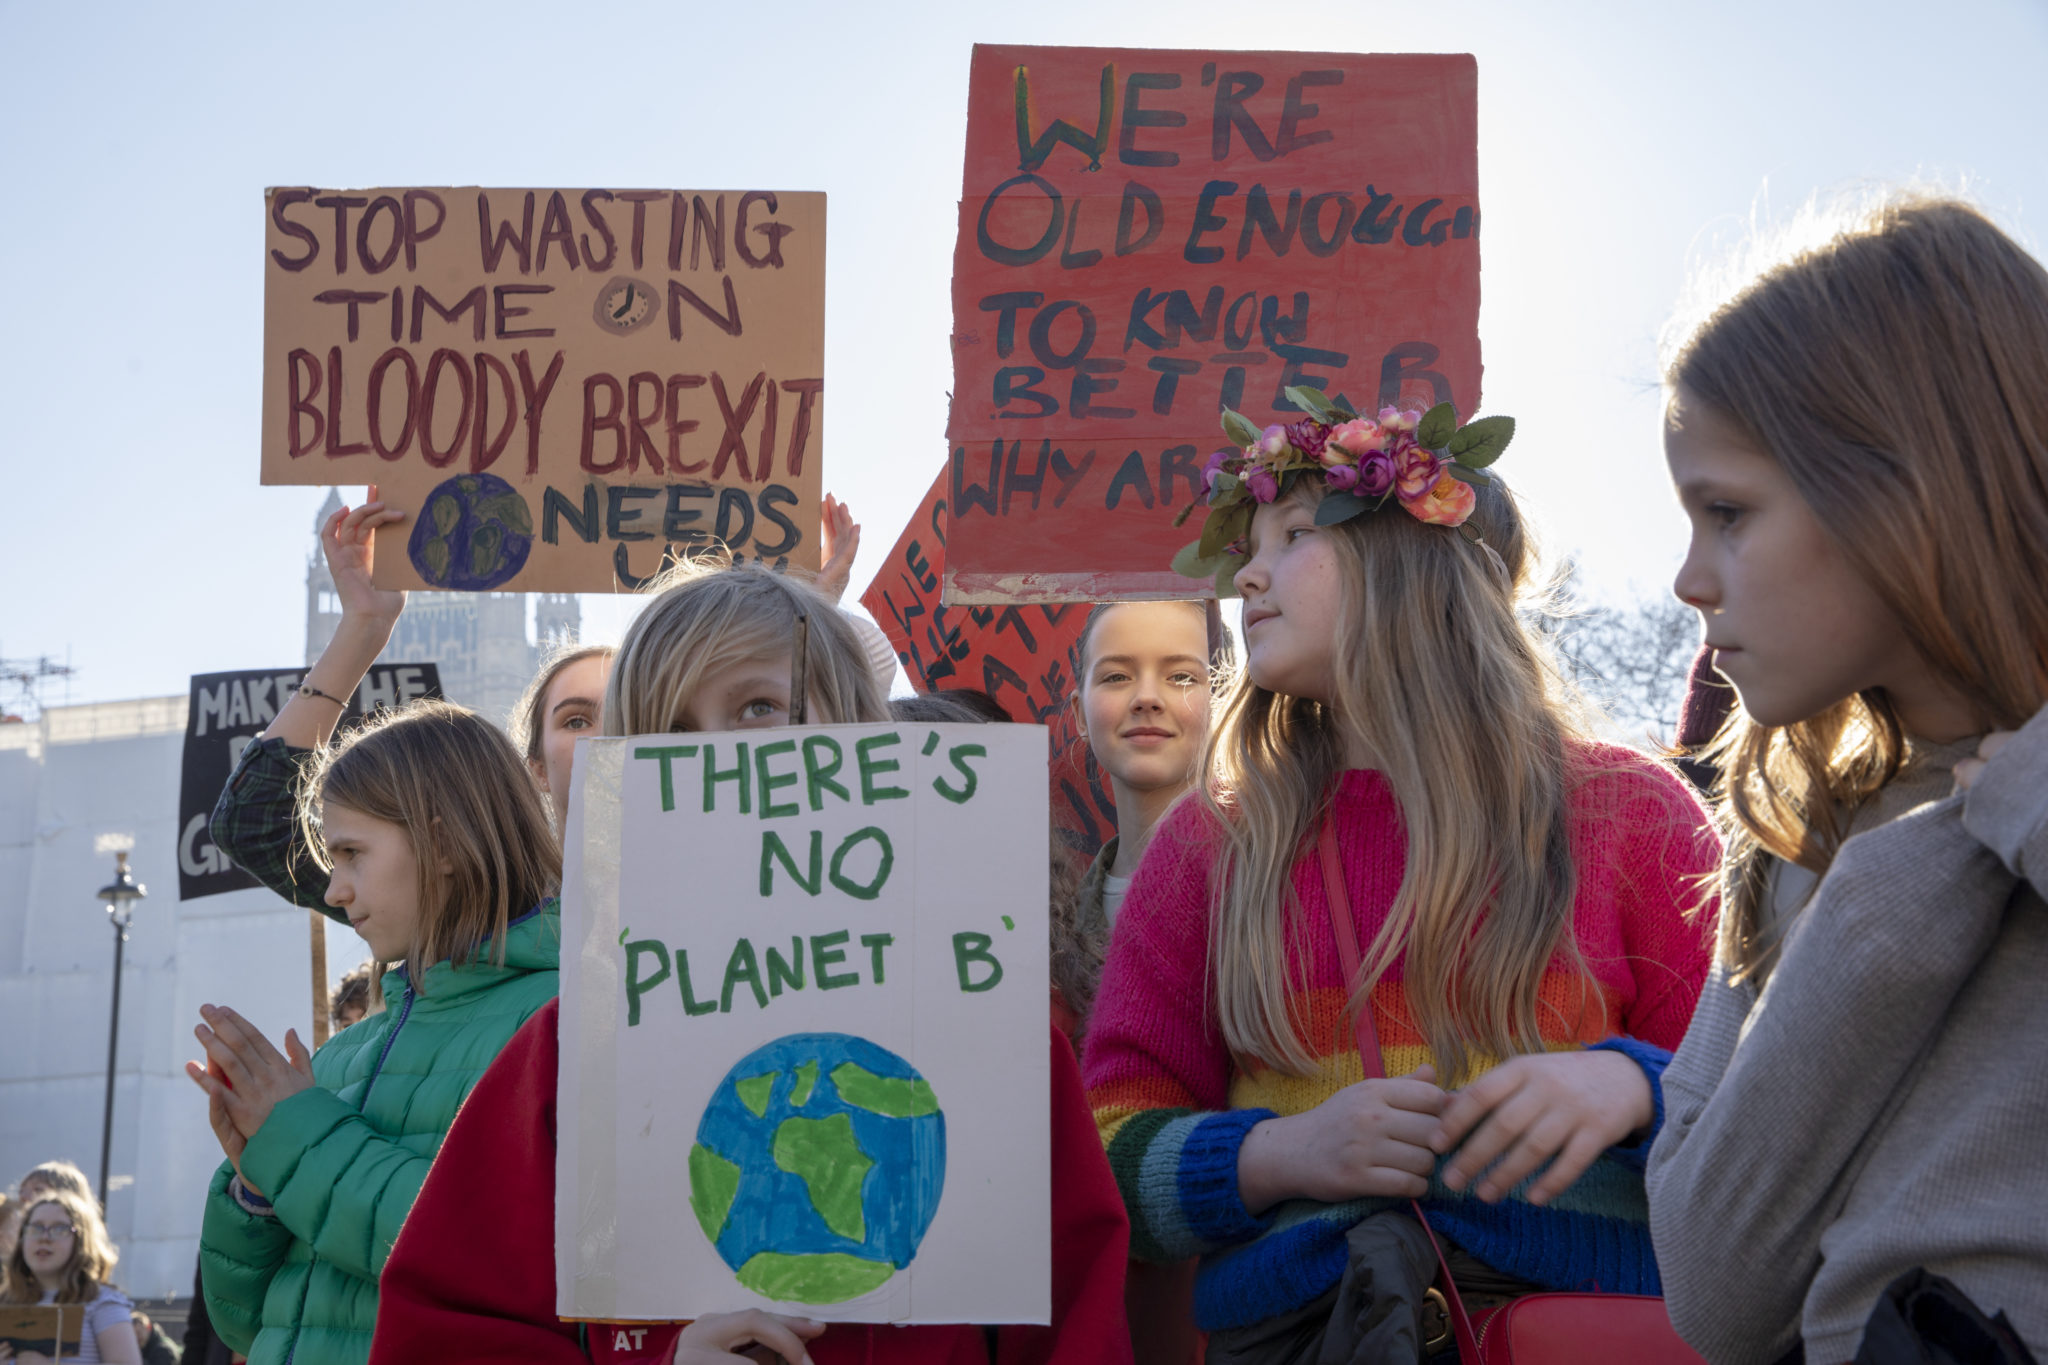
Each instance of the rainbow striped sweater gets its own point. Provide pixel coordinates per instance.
(1174, 1106)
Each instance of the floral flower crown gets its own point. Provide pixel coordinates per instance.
(1422, 461)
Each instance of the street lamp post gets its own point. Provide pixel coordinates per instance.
(120, 896)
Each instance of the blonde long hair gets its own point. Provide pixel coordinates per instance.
(1897, 369)
(92, 1253)
(709, 612)
(1441, 680)
(457, 787)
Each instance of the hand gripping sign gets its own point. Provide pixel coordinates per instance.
(804, 1010)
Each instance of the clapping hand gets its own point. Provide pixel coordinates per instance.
(244, 1076)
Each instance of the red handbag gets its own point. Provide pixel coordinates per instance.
(1537, 1329)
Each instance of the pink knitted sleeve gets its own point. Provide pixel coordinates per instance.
(1662, 854)
(1152, 1041)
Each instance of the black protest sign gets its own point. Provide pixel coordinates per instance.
(227, 711)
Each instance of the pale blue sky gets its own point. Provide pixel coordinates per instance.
(1617, 142)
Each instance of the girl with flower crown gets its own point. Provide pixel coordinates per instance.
(1526, 900)
(1860, 438)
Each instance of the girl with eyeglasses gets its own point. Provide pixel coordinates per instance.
(64, 1257)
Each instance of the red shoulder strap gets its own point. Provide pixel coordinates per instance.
(1345, 929)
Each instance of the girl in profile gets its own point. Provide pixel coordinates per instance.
(1393, 760)
(1860, 438)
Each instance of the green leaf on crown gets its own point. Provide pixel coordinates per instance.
(1224, 528)
(1190, 562)
(1478, 478)
(1312, 402)
(1180, 518)
(1226, 482)
(1437, 426)
(1226, 586)
(1479, 443)
(1239, 428)
(1336, 507)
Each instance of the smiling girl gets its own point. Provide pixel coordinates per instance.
(64, 1257)
(1860, 439)
(1143, 710)
(1521, 894)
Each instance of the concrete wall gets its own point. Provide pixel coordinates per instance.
(66, 780)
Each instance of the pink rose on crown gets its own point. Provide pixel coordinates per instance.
(1375, 475)
(1261, 483)
(1341, 478)
(1271, 445)
(1399, 419)
(1416, 472)
(1356, 438)
(1447, 503)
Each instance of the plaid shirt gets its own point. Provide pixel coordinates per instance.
(255, 823)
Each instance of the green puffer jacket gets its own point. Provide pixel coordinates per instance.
(343, 1161)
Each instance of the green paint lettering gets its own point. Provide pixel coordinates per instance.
(637, 985)
(667, 754)
(846, 846)
(791, 971)
(874, 943)
(872, 767)
(692, 1006)
(969, 948)
(958, 756)
(772, 848)
(825, 954)
(713, 775)
(818, 773)
(766, 783)
(742, 966)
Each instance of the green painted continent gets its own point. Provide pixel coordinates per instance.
(825, 1277)
(755, 1091)
(824, 1154)
(713, 1182)
(806, 1077)
(885, 1095)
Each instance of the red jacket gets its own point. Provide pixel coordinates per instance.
(472, 1276)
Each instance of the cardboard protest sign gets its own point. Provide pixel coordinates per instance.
(561, 386)
(1147, 237)
(52, 1329)
(226, 712)
(804, 1026)
(1026, 657)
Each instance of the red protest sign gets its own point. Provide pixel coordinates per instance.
(1147, 237)
(1026, 657)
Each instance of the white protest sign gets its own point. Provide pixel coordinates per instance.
(804, 1026)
